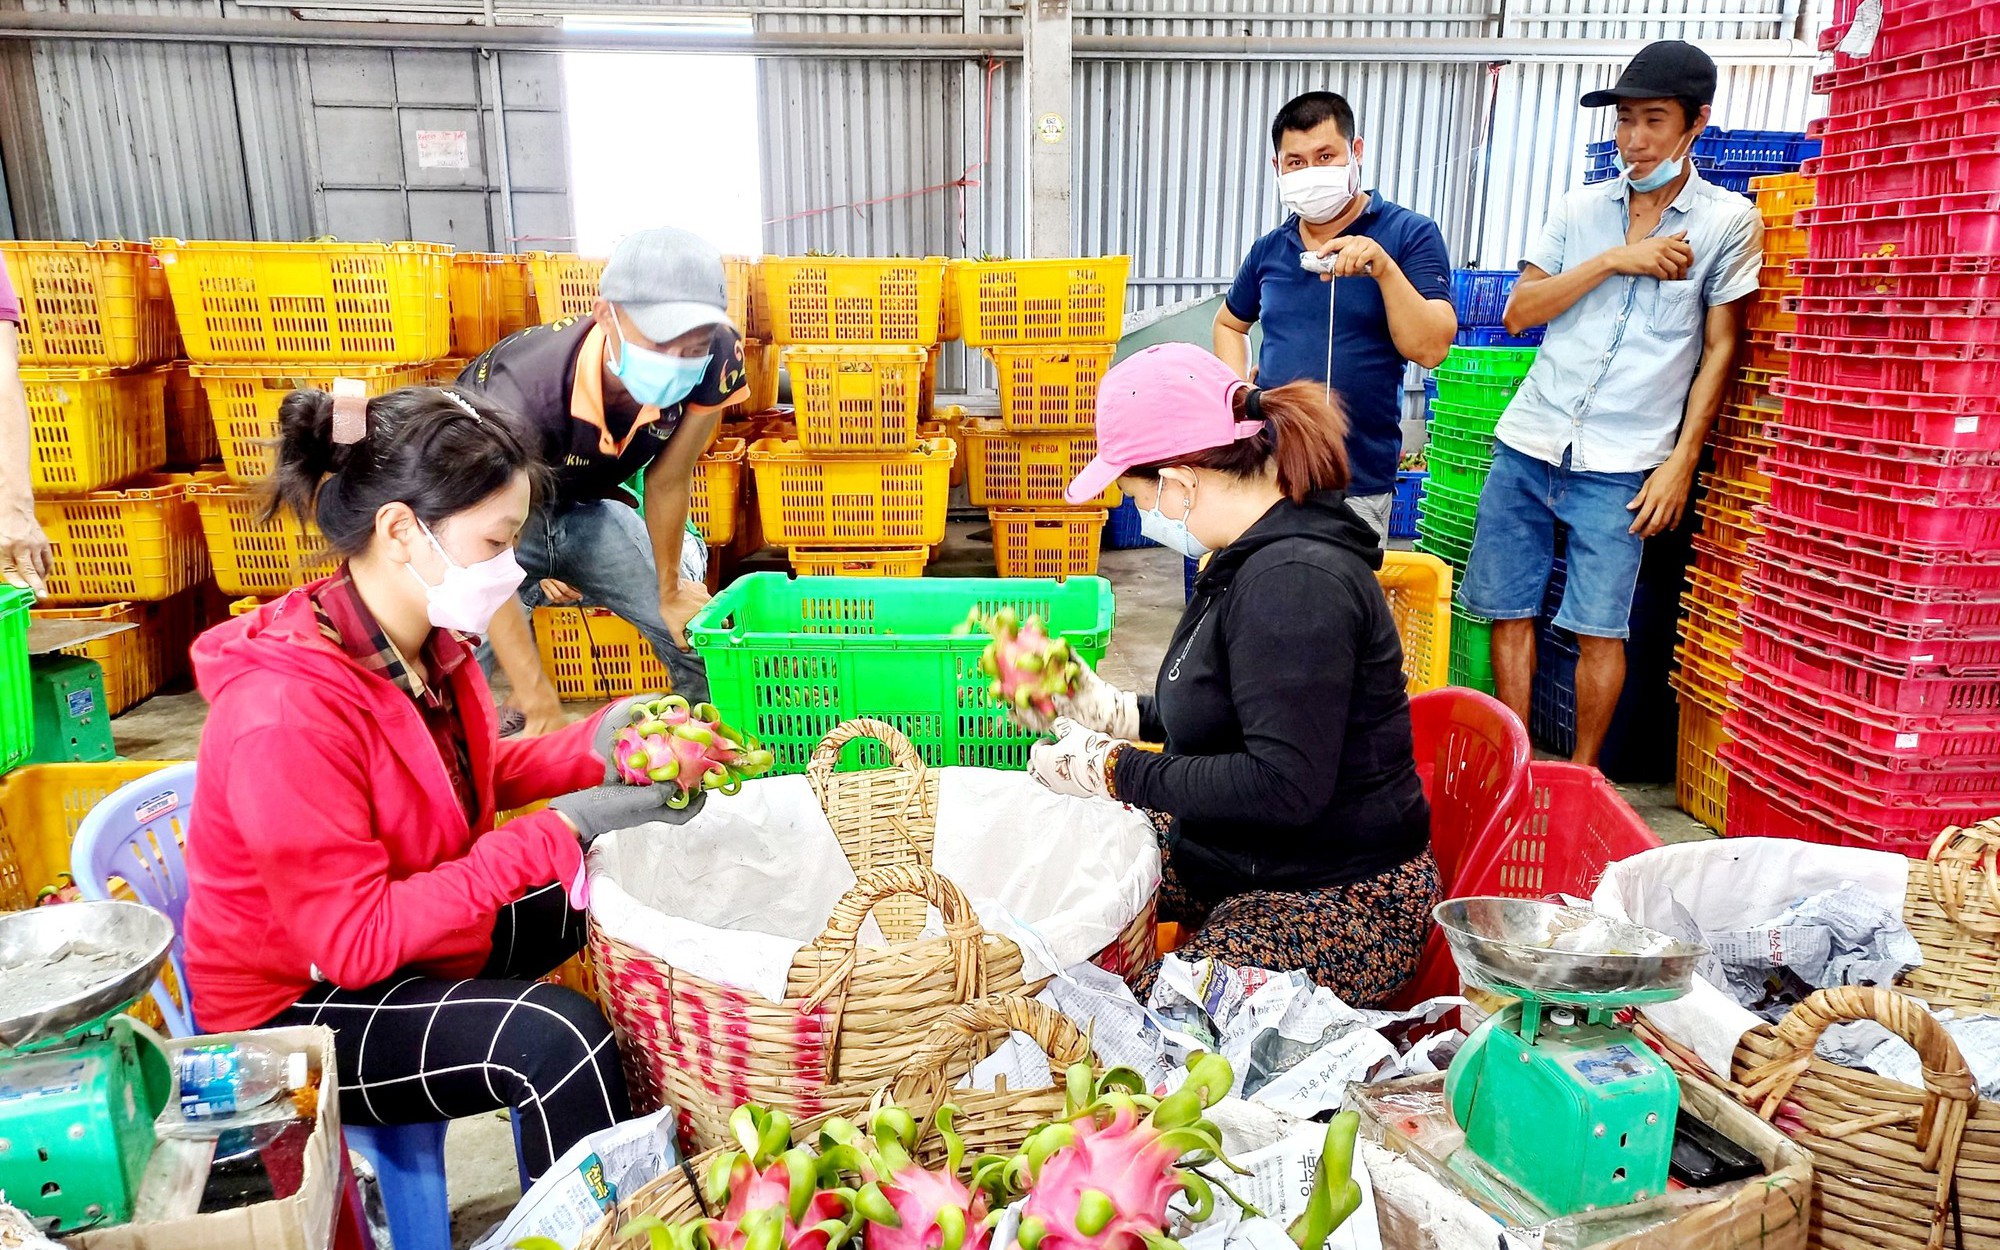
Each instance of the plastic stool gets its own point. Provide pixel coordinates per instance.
(409, 1162)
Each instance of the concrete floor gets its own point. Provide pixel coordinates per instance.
(479, 1152)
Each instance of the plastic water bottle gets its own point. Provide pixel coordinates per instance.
(226, 1079)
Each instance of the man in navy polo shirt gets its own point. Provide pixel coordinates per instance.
(1388, 295)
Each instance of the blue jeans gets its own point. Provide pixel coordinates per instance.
(1514, 544)
(601, 547)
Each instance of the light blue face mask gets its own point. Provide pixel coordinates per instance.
(1663, 173)
(1172, 533)
(655, 378)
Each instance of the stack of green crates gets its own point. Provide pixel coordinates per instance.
(17, 713)
(1474, 386)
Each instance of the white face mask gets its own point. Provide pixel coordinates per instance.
(1173, 534)
(470, 594)
(1320, 193)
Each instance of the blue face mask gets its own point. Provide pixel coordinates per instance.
(1171, 533)
(655, 378)
(1663, 173)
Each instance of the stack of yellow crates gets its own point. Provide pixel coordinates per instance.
(1711, 630)
(854, 485)
(261, 320)
(96, 341)
(492, 296)
(1050, 328)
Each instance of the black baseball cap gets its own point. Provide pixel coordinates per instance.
(1665, 70)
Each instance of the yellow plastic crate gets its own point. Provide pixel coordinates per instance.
(832, 299)
(246, 605)
(142, 543)
(944, 423)
(591, 654)
(716, 494)
(1418, 588)
(565, 285)
(190, 430)
(491, 297)
(444, 371)
(857, 399)
(102, 303)
(309, 302)
(243, 401)
(93, 429)
(1046, 542)
(1045, 389)
(1042, 301)
(1025, 470)
(742, 280)
(891, 499)
(253, 556)
(1701, 779)
(138, 661)
(858, 561)
(41, 806)
(760, 368)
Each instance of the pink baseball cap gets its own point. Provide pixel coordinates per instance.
(1170, 400)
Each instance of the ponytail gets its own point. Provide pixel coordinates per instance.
(1303, 442)
(439, 451)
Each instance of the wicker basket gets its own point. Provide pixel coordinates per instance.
(989, 1121)
(852, 1015)
(1898, 1168)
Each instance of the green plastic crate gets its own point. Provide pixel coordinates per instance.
(790, 658)
(1465, 422)
(1475, 394)
(1455, 472)
(1459, 505)
(1471, 650)
(1449, 550)
(1496, 363)
(17, 712)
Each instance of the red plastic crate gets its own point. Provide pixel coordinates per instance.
(1933, 650)
(1967, 225)
(1939, 167)
(1928, 575)
(1895, 319)
(1866, 410)
(1885, 821)
(1908, 689)
(1941, 738)
(1950, 368)
(1941, 519)
(1925, 74)
(1965, 473)
(1758, 809)
(1785, 567)
(1905, 123)
(1918, 26)
(1838, 780)
(1901, 277)
(1575, 826)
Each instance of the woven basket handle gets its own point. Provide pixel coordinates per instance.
(1949, 1092)
(961, 929)
(826, 756)
(1960, 861)
(927, 1075)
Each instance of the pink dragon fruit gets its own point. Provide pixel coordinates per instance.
(1029, 669)
(773, 1200)
(905, 1205)
(670, 742)
(1102, 1179)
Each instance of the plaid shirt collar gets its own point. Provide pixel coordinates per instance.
(346, 622)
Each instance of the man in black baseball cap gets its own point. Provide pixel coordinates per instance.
(1667, 70)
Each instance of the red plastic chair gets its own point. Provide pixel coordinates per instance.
(1472, 754)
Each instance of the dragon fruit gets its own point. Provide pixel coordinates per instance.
(1030, 670)
(771, 1194)
(1102, 1178)
(906, 1206)
(669, 741)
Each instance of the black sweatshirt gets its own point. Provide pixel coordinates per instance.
(1288, 762)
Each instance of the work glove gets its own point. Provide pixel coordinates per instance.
(1074, 763)
(604, 742)
(1096, 704)
(613, 804)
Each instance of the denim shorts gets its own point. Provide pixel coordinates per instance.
(1513, 545)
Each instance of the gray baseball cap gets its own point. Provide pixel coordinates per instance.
(668, 281)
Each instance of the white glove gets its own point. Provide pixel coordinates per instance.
(1074, 763)
(1097, 704)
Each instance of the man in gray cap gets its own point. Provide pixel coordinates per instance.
(640, 384)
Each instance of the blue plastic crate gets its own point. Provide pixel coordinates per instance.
(1497, 336)
(1403, 513)
(1121, 532)
(1480, 295)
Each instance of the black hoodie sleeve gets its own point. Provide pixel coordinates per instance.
(1291, 640)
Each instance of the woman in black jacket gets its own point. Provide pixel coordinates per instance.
(1298, 833)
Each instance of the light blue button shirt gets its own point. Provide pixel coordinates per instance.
(1611, 382)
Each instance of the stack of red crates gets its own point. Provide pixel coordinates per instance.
(1868, 713)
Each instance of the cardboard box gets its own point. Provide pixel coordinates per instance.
(303, 1221)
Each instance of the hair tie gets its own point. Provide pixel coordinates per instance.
(350, 411)
(458, 399)
(1255, 407)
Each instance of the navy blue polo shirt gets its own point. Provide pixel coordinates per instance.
(1291, 303)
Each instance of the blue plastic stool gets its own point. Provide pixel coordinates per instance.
(409, 1161)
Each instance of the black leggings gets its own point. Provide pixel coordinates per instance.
(414, 1049)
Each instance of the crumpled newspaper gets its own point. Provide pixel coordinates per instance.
(1867, 1045)
(1294, 1045)
(1842, 936)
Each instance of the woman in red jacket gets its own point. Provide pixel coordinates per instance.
(344, 867)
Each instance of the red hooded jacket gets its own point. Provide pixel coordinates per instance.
(325, 832)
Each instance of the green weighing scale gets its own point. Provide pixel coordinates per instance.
(80, 1084)
(1552, 1092)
